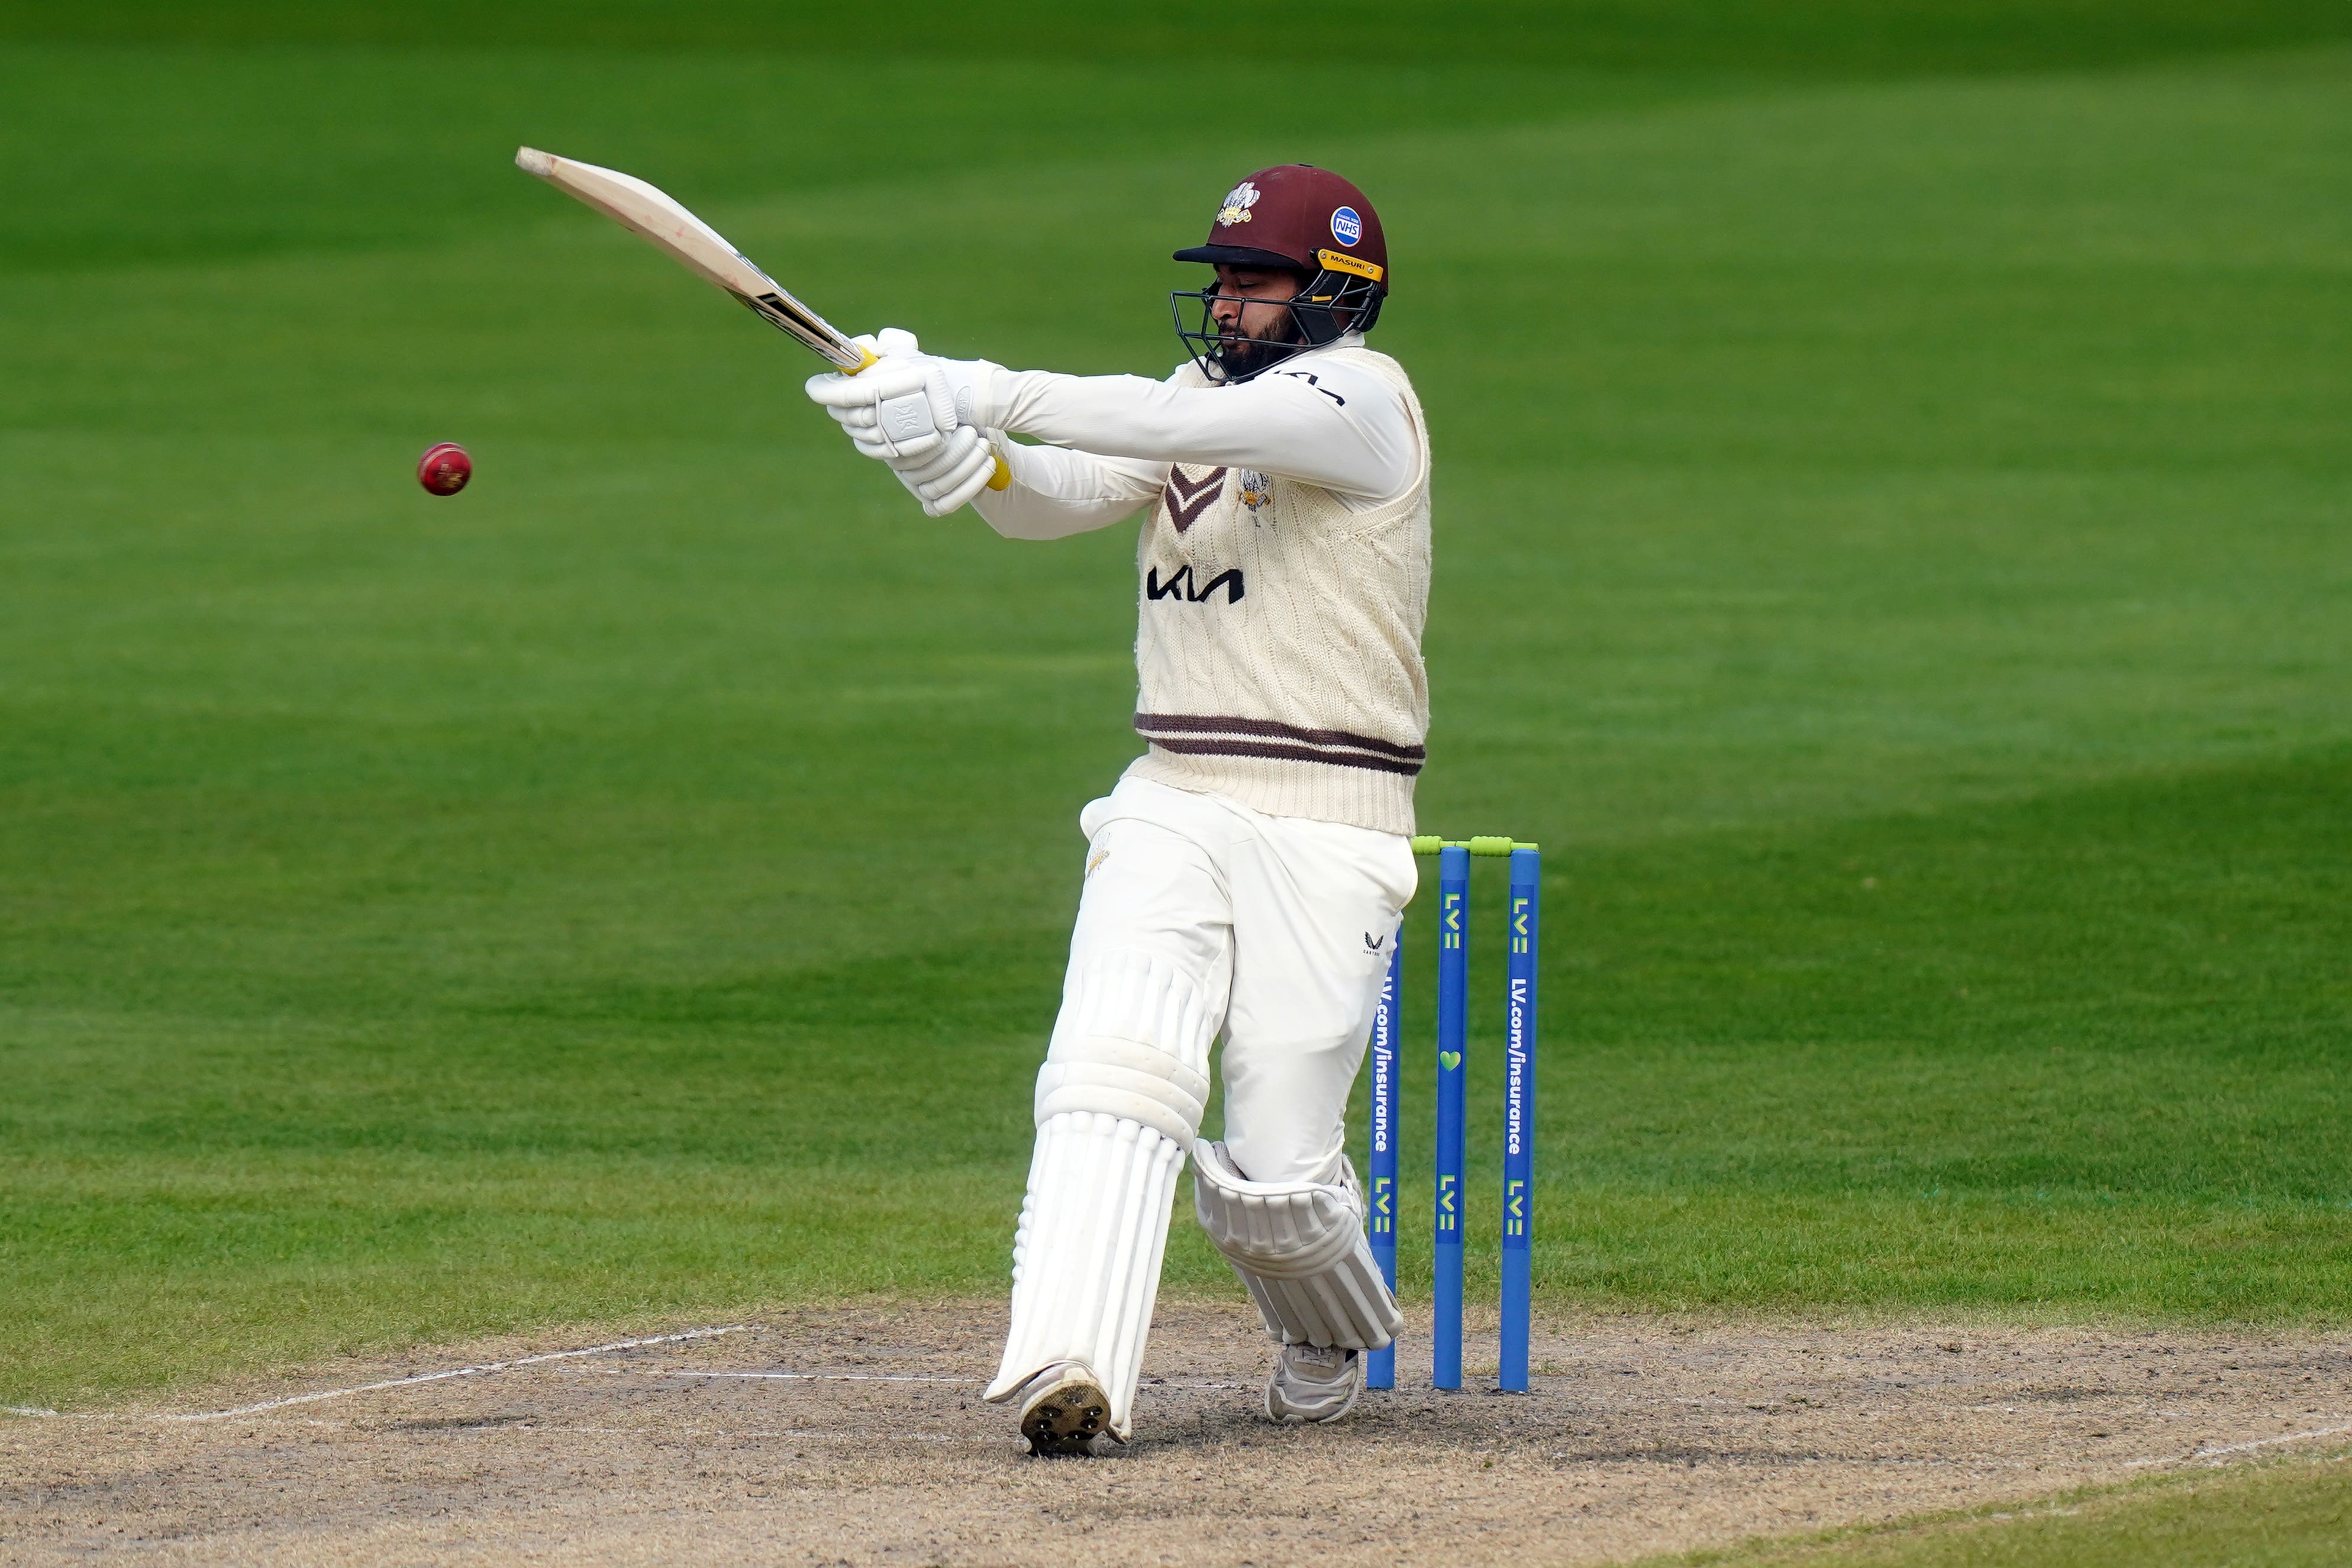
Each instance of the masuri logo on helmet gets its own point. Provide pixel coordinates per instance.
(1290, 209)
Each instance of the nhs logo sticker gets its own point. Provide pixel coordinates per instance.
(1346, 226)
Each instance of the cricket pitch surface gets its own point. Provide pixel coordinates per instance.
(857, 1435)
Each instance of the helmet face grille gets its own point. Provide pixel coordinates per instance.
(1329, 304)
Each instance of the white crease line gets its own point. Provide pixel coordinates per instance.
(568, 1355)
(480, 1371)
(872, 1377)
(2266, 1442)
(808, 1376)
(2243, 1447)
(810, 1435)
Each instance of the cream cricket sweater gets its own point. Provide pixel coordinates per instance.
(1279, 618)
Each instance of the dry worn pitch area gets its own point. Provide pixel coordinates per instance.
(857, 1437)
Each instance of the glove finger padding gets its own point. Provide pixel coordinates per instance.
(943, 485)
(964, 495)
(877, 383)
(863, 425)
(970, 478)
(930, 508)
(865, 432)
(954, 454)
(874, 438)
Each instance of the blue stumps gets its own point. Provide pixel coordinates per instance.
(1381, 1201)
(1521, 943)
(1453, 1045)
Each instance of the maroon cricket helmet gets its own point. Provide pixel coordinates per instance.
(1299, 217)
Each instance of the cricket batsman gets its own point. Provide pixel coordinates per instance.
(1245, 875)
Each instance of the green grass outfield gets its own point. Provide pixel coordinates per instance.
(2291, 1514)
(1893, 507)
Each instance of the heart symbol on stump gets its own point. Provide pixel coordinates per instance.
(1449, 1060)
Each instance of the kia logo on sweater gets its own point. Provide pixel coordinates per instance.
(1180, 585)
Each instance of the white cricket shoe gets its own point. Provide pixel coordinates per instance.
(1063, 1410)
(1311, 1382)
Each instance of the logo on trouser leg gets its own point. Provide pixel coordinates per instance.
(1374, 943)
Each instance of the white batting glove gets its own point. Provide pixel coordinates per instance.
(968, 379)
(958, 472)
(904, 412)
(900, 407)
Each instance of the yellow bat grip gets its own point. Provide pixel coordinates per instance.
(1001, 478)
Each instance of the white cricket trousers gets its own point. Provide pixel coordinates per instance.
(1200, 917)
(1285, 925)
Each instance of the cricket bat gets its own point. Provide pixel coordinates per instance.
(648, 211)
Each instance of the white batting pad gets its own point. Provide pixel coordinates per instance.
(1119, 1098)
(1299, 1247)
(1132, 1041)
(1085, 1263)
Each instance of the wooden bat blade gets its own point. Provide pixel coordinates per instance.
(650, 212)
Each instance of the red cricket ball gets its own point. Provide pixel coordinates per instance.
(445, 469)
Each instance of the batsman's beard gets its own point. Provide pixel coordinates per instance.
(1239, 358)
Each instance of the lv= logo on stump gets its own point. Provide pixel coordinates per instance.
(1521, 949)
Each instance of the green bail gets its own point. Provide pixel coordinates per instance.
(1485, 844)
